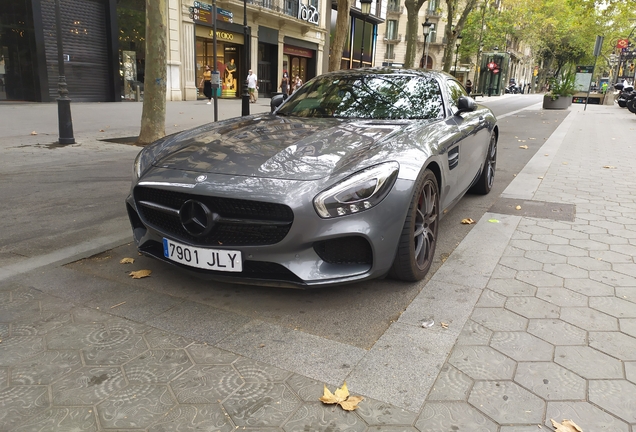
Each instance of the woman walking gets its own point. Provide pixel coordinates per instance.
(206, 83)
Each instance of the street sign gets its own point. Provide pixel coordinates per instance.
(622, 43)
(216, 79)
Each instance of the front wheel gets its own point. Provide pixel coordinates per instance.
(483, 185)
(418, 239)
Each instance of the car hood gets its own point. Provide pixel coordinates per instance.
(277, 147)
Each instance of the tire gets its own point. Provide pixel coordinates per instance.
(483, 185)
(416, 248)
(631, 105)
(622, 103)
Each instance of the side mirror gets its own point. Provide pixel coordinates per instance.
(276, 102)
(466, 104)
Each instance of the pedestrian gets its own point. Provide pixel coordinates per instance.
(469, 86)
(206, 83)
(284, 85)
(297, 83)
(252, 80)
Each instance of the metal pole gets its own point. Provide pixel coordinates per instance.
(215, 87)
(65, 122)
(364, 23)
(245, 111)
(455, 67)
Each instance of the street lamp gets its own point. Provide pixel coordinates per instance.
(65, 122)
(365, 8)
(245, 111)
(426, 28)
(459, 42)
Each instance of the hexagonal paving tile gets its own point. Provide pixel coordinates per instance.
(545, 257)
(73, 336)
(15, 350)
(137, 406)
(589, 263)
(589, 319)
(40, 324)
(550, 381)
(87, 386)
(158, 339)
(532, 307)
(377, 413)
(628, 326)
(557, 332)
(511, 287)
(474, 334)
(194, 417)
(539, 278)
(612, 395)
(614, 306)
(205, 384)
(506, 402)
(565, 271)
(45, 367)
(263, 404)
(206, 354)
(549, 239)
(254, 371)
(611, 257)
(110, 347)
(630, 371)
(19, 403)
(616, 344)
(588, 362)
(589, 287)
(482, 362)
(612, 278)
(522, 346)
(490, 298)
(520, 263)
(447, 416)
(157, 366)
(497, 319)
(451, 385)
(61, 419)
(586, 415)
(562, 297)
(568, 250)
(318, 416)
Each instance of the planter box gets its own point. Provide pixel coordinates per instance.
(560, 103)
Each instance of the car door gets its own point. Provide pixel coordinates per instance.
(467, 157)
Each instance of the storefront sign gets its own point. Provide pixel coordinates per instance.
(223, 35)
(296, 51)
(308, 13)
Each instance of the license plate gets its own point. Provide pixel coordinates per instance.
(209, 259)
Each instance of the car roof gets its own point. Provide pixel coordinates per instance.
(387, 71)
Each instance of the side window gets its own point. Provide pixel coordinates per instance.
(455, 91)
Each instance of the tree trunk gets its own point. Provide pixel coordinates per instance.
(153, 116)
(412, 9)
(342, 30)
(453, 32)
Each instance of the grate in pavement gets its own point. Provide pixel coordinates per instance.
(536, 209)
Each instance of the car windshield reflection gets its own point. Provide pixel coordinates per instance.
(381, 96)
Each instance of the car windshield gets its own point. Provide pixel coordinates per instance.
(373, 96)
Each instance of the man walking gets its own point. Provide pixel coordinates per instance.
(252, 80)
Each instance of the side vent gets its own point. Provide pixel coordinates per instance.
(453, 157)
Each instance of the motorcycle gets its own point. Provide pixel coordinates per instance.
(513, 89)
(626, 93)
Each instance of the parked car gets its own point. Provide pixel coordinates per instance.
(347, 180)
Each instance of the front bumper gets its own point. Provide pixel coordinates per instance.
(314, 251)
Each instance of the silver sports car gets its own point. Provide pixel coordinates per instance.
(346, 180)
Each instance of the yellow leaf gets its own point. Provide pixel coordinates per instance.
(540, 178)
(493, 221)
(565, 163)
(34, 133)
(468, 221)
(566, 426)
(351, 403)
(444, 325)
(523, 147)
(127, 261)
(609, 167)
(140, 274)
(341, 397)
(518, 207)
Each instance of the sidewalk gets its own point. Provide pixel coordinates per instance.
(542, 325)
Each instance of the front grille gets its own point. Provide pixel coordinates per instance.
(345, 250)
(274, 220)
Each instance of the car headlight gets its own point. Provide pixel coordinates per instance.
(142, 161)
(357, 193)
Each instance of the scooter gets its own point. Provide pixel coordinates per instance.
(625, 91)
(512, 89)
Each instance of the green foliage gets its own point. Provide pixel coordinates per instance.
(563, 84)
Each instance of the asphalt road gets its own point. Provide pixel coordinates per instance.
(355, 314)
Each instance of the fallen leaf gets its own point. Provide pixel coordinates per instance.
(341, 397)
(444, 256)
(547, 154)
(525, 147)
(127, 261)
(540, 177)
(261, 346)
(514, 175)
(468, 221)
(119, 304)
(532, 138)
(444, 325)
(493, 221)
(34, 133)
(565, 163)
(566, 426)
(518, 207)
(101, 130)
(140, 274)
(609, 167)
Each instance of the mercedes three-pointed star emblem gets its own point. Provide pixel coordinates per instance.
(196, 218)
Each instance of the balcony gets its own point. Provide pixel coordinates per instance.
(389, 56)
(392, 37)
(286, 7)
(433, 13)
(395, 9)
